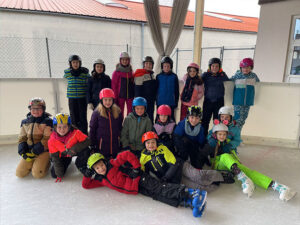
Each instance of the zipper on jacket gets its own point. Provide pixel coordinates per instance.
(245, 99)
(119, 187)
(127, 86)
(110, 129)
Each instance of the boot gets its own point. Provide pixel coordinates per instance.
(196, 199)
(247, 184)
(285, 193)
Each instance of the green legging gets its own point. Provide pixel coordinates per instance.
(226, 160)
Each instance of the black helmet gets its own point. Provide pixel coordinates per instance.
(214, 60)
(194, 111)
(148, 59)
(74, 57)
(166, 59)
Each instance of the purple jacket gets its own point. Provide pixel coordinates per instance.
(105, 130)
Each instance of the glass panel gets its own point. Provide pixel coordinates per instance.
(297, 29)
(295, 69)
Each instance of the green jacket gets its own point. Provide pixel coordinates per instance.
(133, 129)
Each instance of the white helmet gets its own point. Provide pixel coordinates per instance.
(220, 127)
(226, 110)
(124, 55)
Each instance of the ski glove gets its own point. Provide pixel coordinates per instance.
(28, 156)
(38, 148)
(134, 173)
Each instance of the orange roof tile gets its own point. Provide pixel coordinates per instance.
(135, 12)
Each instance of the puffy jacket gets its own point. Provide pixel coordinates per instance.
(105, 130)
(133, 129)
(244, 88)
(198, 93)
(213, 85)
(95, 84)
(34, 134)
(165, 133)
(168, 89)
(115, 178)
(77, 82)
(145, 85)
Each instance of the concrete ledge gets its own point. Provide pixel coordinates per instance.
(254, 140)
(8, 139)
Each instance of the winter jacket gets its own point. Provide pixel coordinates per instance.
(213, 85)
(234, 135)
(95, 84)
(105, 130)
(145, 85)
(244, 88)
(133, 129)
(67, 146)
(123, 82)
(165, 133)
(77, 82)
(34, 134)
(197, 94)
(168, 89)
(116, 179)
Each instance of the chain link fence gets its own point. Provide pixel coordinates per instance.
(44, 58)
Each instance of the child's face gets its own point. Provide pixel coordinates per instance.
(148, 66)
(124, 61)
(163, 118)
(99, 68)
(225, 117)
(246, 70)
(151, 145)
(139, 110)
(36, 111)
(192, 72)
(194, 120)
(107, 102)
(221, 136)
(100, 167)
(215, 67)
(75, 64)
(166, 67)
(62, 129)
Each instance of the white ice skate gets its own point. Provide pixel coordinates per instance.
(247, 184)
(286, 193)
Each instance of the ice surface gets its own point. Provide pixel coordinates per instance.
(36, 202)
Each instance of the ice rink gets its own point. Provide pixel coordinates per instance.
(37, 202)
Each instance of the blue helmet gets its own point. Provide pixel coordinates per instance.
(139, 101)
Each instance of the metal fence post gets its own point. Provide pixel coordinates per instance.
(222, 53)
(48, 57)
(177, 60)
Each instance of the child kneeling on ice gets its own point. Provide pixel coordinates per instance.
(158, 160)
(226, 159)
(133, 181)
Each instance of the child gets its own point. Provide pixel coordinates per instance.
(64, 143)
(244, 91)
(123, 83)
(193, 89)
(133, 181)
(189, 138)
(158, 160)
(214, 91)
(96, 83)
(33, 140)
(145, 84)
(234, 133)
(134, 126)
(106, 125)
(77, 77)
(164, 126)
(226, 159)
(168, 86)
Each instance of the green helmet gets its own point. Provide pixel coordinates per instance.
(94, 158)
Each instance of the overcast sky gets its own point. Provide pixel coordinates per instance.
(235, 7)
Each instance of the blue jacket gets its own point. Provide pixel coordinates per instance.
(234, 135)
(168, 89)
(244, 88)
(213, 85)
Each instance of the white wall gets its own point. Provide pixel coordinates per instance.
(274, 120)
(273, 39)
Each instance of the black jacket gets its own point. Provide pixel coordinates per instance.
(95, 84)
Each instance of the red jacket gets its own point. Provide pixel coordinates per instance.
(114, 178)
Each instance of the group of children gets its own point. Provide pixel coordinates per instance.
(163, 160)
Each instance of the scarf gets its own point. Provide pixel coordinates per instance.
(121, 68)
(189, 88)
(188, 128)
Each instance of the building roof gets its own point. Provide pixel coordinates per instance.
(133, 12)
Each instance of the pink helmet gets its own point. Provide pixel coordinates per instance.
(106, 93)
(164, 110)
(246, 62)
(193, 65)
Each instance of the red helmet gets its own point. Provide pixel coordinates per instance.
(246, 62)
(193, 65)
(148, 136)
(106, 93)
(164, 110)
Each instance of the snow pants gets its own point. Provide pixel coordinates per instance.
(121, 103)
(78, 113)
(240, 115)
